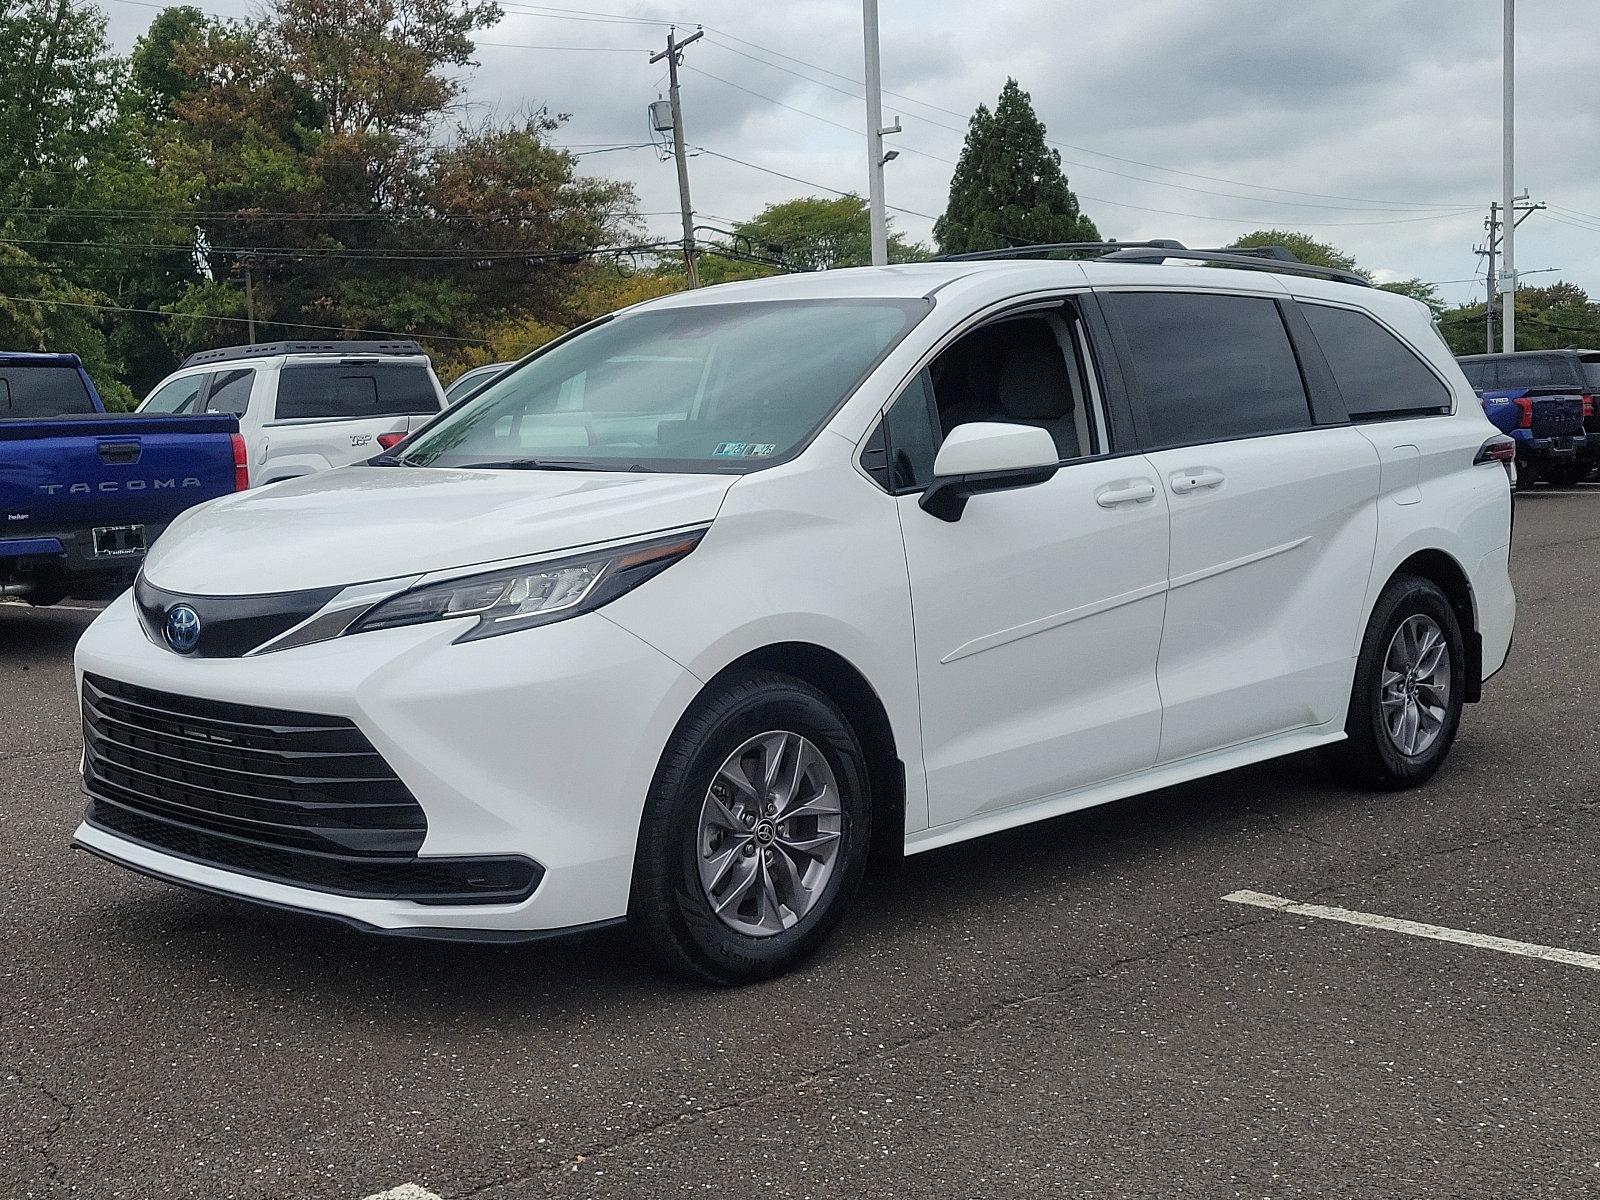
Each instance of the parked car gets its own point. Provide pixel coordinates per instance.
(304, 407)
(84, 493)
(470, 381)
(1545, 399)
(630, 632)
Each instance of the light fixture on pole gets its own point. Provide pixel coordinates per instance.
(875, 131)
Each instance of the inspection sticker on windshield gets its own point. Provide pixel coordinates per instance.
(744, 450)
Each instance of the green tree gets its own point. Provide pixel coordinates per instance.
(818, 233)
(1008, 188)
(78, 196)
(313, 132)
(1304, 247)
(156, 79)
(1555, 317)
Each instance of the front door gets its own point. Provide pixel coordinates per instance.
(1038, 614)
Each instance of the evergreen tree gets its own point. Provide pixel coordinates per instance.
(1008, 188)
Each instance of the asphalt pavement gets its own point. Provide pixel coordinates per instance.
(1071, 1009)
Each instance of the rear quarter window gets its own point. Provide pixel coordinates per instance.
(1378, 374)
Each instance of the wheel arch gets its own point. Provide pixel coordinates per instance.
(842, 682)
(1442, 570)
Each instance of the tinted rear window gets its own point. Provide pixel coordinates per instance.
(1377, 374)
(1538, 370)
(1591, 374)
(1479, 374)
(1209, 368)
(42, 391)
(354, 390)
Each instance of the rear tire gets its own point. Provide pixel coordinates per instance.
(1405, 705)
(708, 841)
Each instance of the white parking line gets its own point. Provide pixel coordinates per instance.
(1439, 933)
(406, 1191)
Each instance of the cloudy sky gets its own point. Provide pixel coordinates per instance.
(1373, 124)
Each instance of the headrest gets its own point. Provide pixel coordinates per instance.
(1033, 384)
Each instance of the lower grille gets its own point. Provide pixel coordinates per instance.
(293, 797)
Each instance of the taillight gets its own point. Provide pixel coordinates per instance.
(390, 440)
(241, 464)
(1525, 403)
(1500, 449)
(1588, 406)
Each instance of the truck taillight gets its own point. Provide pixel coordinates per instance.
(390, 440)
(1588, 406)
(1525, 403)
(241, 464)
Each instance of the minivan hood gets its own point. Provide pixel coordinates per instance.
(363, 523)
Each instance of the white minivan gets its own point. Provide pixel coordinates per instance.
(684, 614)
(305, 407)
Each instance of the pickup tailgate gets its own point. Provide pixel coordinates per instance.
(82, 472)
(1549, 414)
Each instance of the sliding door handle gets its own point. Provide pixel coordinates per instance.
(1197, 480)
(1131, 492)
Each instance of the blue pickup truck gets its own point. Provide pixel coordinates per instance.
(84, 492)
(1545, 399)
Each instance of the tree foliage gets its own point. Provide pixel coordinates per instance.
(818, 233)
(1008, 188)
(1555, 317)
(318, 145)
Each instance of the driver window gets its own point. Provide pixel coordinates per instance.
(1022, 370)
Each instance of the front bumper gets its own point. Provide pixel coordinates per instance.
(541, 743)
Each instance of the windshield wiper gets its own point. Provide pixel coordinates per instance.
(555, 464)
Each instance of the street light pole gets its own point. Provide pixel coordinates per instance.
(1508, 270)
(875, 209)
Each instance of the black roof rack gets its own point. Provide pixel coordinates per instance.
(1256, 258)
(269, 349)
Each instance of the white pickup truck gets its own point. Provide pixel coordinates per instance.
(305, 407)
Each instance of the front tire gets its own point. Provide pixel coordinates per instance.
(1405, 706)
(755, 834)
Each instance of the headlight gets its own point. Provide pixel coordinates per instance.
(516, 598)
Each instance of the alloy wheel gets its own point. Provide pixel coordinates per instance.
(770, 833)
(1415, 688)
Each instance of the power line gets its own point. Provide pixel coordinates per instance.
(157, 312)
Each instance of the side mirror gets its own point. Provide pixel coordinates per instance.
(987, 456)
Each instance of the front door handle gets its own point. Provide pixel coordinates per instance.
(1131, 492)
(1195, 480)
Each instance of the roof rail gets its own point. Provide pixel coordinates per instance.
(1043, 248)
(269, 349)
(1250, 258)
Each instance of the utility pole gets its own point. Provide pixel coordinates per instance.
(1498, 233)
(875, 210)
(1507, 279)
(249, 262)
(674, 55)
(1493, 252)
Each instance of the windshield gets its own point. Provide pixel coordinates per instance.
(722, 387)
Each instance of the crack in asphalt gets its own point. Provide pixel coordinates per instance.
(988, 1013)
(46, 1148)
(1013, 1004)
